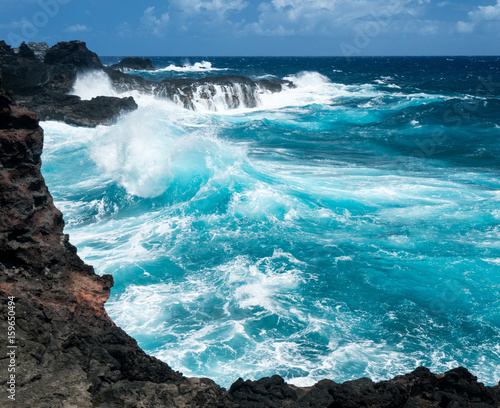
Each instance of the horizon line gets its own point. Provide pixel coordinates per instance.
(303, 56)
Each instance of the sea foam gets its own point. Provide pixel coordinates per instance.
(317, 235)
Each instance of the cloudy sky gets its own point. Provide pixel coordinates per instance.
(261, 27)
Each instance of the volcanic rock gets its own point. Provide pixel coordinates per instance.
(22, 72)
(134, 64)
(74, 53)
(74, 111)
(69, 353)
(40, 49)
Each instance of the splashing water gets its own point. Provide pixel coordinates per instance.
(322, 233)
(94, 83)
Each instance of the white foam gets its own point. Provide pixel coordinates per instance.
(203, 66)
(130, 153)
(313, 88)
(223, 97)
(148, 149)
(493, 261)
(90, 84)
(266, 76)
(259, 284)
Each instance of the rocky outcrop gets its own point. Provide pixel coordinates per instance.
(230, 91)
(44, 86)
(74, 53)
(25, 74)
(40, 49)
(419, 389)
(134, 64)
(36, 83)
(69, 353)
(22, 72)
(74, 111)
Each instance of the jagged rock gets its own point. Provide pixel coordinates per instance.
(25, 51)
(29, 78)
(125, 82)
(74, 111)
(27, 75)
(43, 86)
(63, 62)
(69, 353)
(40, 49)
(73, 53)
(134, 64)
(266, 392)
(22, 72)
(236, 91)
(419, 389)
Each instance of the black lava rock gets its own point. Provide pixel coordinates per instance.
(134, 64)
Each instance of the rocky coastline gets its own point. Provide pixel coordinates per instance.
(42, 79)
(68, 351)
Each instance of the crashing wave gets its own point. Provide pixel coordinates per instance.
(203, 66)
(207, 94)
(218, 94)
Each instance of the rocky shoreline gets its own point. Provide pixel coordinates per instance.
(68, 351)
(42, 79)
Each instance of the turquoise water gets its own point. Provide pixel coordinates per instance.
(349, 227)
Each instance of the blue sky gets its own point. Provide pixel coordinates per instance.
(263, 27)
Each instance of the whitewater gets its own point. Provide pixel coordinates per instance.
(347, 226)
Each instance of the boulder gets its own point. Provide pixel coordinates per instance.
(134, 64)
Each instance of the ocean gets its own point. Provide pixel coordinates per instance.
(348, 227)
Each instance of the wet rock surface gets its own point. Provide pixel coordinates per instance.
(134, 64)
(74, 111)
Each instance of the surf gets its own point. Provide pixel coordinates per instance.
(300, 234)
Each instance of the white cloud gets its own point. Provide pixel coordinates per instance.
(478, 16)
(289, 17)
(283, 17)
(77, 28)
(429, 29)
(217, 7)
(465, 28)
(157, 25)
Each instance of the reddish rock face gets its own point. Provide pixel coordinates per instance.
(69, 352)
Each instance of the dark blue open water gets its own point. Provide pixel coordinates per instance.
(348, 227)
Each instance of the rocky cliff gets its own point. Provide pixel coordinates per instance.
(64, 351)
(69, 353)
